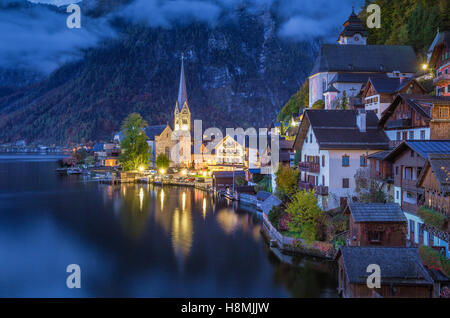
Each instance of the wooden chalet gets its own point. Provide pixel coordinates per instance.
(402, 273)
(435, 180)
(376, 225)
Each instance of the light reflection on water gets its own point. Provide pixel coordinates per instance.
(136, 241)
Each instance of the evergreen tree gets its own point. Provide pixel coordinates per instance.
(344, 101)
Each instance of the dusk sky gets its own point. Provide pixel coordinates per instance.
(38, 38)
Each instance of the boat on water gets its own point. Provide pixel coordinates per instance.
(71, 171)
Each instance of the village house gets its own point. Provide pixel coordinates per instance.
(226, 180)
(230, 152)
(409, 117)
(345, 67)
(334, 145)
(435, 181)
(376, 225)
(380, 92)
(408, 161)
(402, 273)
(439, 60)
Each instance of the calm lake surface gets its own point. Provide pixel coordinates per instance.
(135, 241)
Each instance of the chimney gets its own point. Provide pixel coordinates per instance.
(361, 120)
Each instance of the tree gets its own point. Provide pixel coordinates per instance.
(162, 161)
(297, 101)
(287, 181)
(368, 189)
(320, 104)
(135, 150)
(304, 215)
(344, 101)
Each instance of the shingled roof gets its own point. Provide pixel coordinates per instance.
(337, 129)
(365, 58)
(153, 131)
(399, 265)
(422, 147)
(353, 25)
(376, 212)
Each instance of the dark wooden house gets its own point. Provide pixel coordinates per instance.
(402, 273)
(376, 225)
(408, 118)
(408, 161)
(380, 169)
(223, 180)
(435, 181)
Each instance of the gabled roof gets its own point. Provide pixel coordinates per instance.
(442, 40)
(440, 166)
(390, 85)
(269, 203)
(337, 129)
(228, 174)
(421, 104)
(376, 212)
(365, 58)
(399, 265)
(381, 155)
(152, 131)
(421, 147)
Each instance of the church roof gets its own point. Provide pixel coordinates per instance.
(365, 58)
(353, 26)
(152, 131)
(182, 91)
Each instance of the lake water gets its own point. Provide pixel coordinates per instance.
(135, 241)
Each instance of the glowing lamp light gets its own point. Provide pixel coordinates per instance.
(184, 172)
(204, 173)
(425, 66)
(162, 171)
(141, 168)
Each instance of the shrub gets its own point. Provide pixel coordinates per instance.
(434, 259)
(432, 217)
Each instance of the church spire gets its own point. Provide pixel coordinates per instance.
(182, 92)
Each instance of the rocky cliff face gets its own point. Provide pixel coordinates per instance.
(239, 74)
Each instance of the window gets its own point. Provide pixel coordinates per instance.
(412, 226)
(398, 135)
(311, 138)
(378, 166)
(323, 161)
(443, 112)
(363, 161)
(405, 135)
(375, 236)
(412, 153)
(430, 239)
(408, 173)
(323, 180)
(396, 171)
(397, 195)
(411, 135)
(346, 183)
(422, 134)
(345, 161)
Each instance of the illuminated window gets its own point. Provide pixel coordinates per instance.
(443, 112)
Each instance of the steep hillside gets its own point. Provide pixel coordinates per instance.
(238, 74)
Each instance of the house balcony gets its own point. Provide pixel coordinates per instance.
(411, 186)
(309, 167)
(399, 124)
(409, 207)
(382, 176)
(306, 186)
(441, 79)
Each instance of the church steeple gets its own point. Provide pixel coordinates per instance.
(354, 31)
(182, 113)
(182, 91)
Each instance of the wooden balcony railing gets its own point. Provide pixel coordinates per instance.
(309, 167)
(306, 186)
(441, 79)
(399, 124)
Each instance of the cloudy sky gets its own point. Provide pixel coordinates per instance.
(36, 37)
